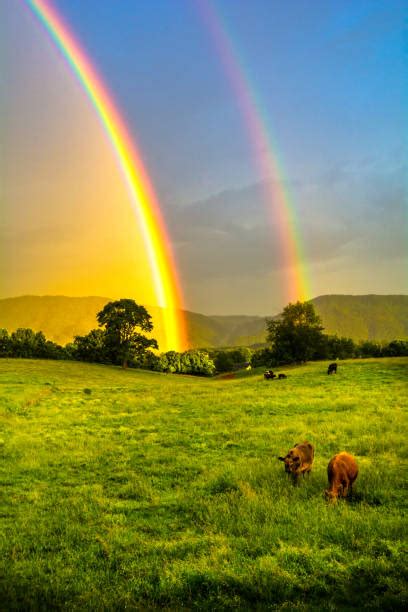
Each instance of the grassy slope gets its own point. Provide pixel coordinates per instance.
(158, 490)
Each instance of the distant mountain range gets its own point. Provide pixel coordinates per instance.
(361, 317)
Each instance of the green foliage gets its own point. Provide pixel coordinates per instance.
(297, 335)
(26, 343)
(197, 363)
(396, 348)
(91, 347)
(151, 361)
(5, 343)
(264, 357)
(164, 492)
(170, 362)
(228, 360)
(339, 348)
(381, 318)
(121, 319)
(369, 349)
(193, 362)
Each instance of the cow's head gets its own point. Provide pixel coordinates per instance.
(292, 461)
(333, 493)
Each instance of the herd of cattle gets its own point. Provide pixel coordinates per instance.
(341, 471)
(269, 374)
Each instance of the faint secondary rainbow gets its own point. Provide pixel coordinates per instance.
(280, 206)
(139, 187)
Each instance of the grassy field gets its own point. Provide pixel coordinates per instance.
(126, 489)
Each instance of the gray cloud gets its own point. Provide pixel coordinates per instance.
(348, 213)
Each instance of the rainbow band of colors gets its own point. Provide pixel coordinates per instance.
(279, 204)
(140, 190)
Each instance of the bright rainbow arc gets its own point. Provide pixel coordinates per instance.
(280, 206)
(140, 190)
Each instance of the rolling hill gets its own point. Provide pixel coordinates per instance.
(373, 317)
(364, 317)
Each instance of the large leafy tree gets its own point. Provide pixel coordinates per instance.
(123, 321)
(297, 334)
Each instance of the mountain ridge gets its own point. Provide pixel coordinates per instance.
(361, 317)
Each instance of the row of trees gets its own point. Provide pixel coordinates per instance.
(295, 337)
(196, 362)
(331, 347)
(118, 341)
(25, 343)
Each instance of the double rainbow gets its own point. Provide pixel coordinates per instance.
(139, 187)
(279, 203)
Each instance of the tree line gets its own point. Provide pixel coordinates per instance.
(119, 340)
(294, 337)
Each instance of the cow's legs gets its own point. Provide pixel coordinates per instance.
(345, 488)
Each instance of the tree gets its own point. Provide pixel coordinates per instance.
(170, 362)
(368, 348)
(396, 348)
(5, 343)
(340, 348)
(90, 347)
(297, 334)
(23, 343)
(231, 359)
(264, 357)
(121, 320)
(196, 362)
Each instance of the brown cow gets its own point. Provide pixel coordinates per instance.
(342, 472)
(299, 460)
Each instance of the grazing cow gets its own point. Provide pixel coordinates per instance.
(281, 376)
(269, 375)
(332, 369)
(299, 460)
(341, 472)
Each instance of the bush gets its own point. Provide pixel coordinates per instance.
(264, 357)
(227, 360)
(91, 347)
(190, 362)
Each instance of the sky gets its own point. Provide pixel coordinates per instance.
(327, 82)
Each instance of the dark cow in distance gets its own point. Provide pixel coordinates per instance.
(269, 375)
(299, 460)
(281, 376)
(332, 369)
(341, 472)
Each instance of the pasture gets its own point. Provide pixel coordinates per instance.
(128, 489)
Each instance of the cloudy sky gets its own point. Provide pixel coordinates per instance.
(328, 86)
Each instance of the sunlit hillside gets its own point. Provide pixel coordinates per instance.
(359, 317)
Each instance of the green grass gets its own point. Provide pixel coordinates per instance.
(126, 489)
